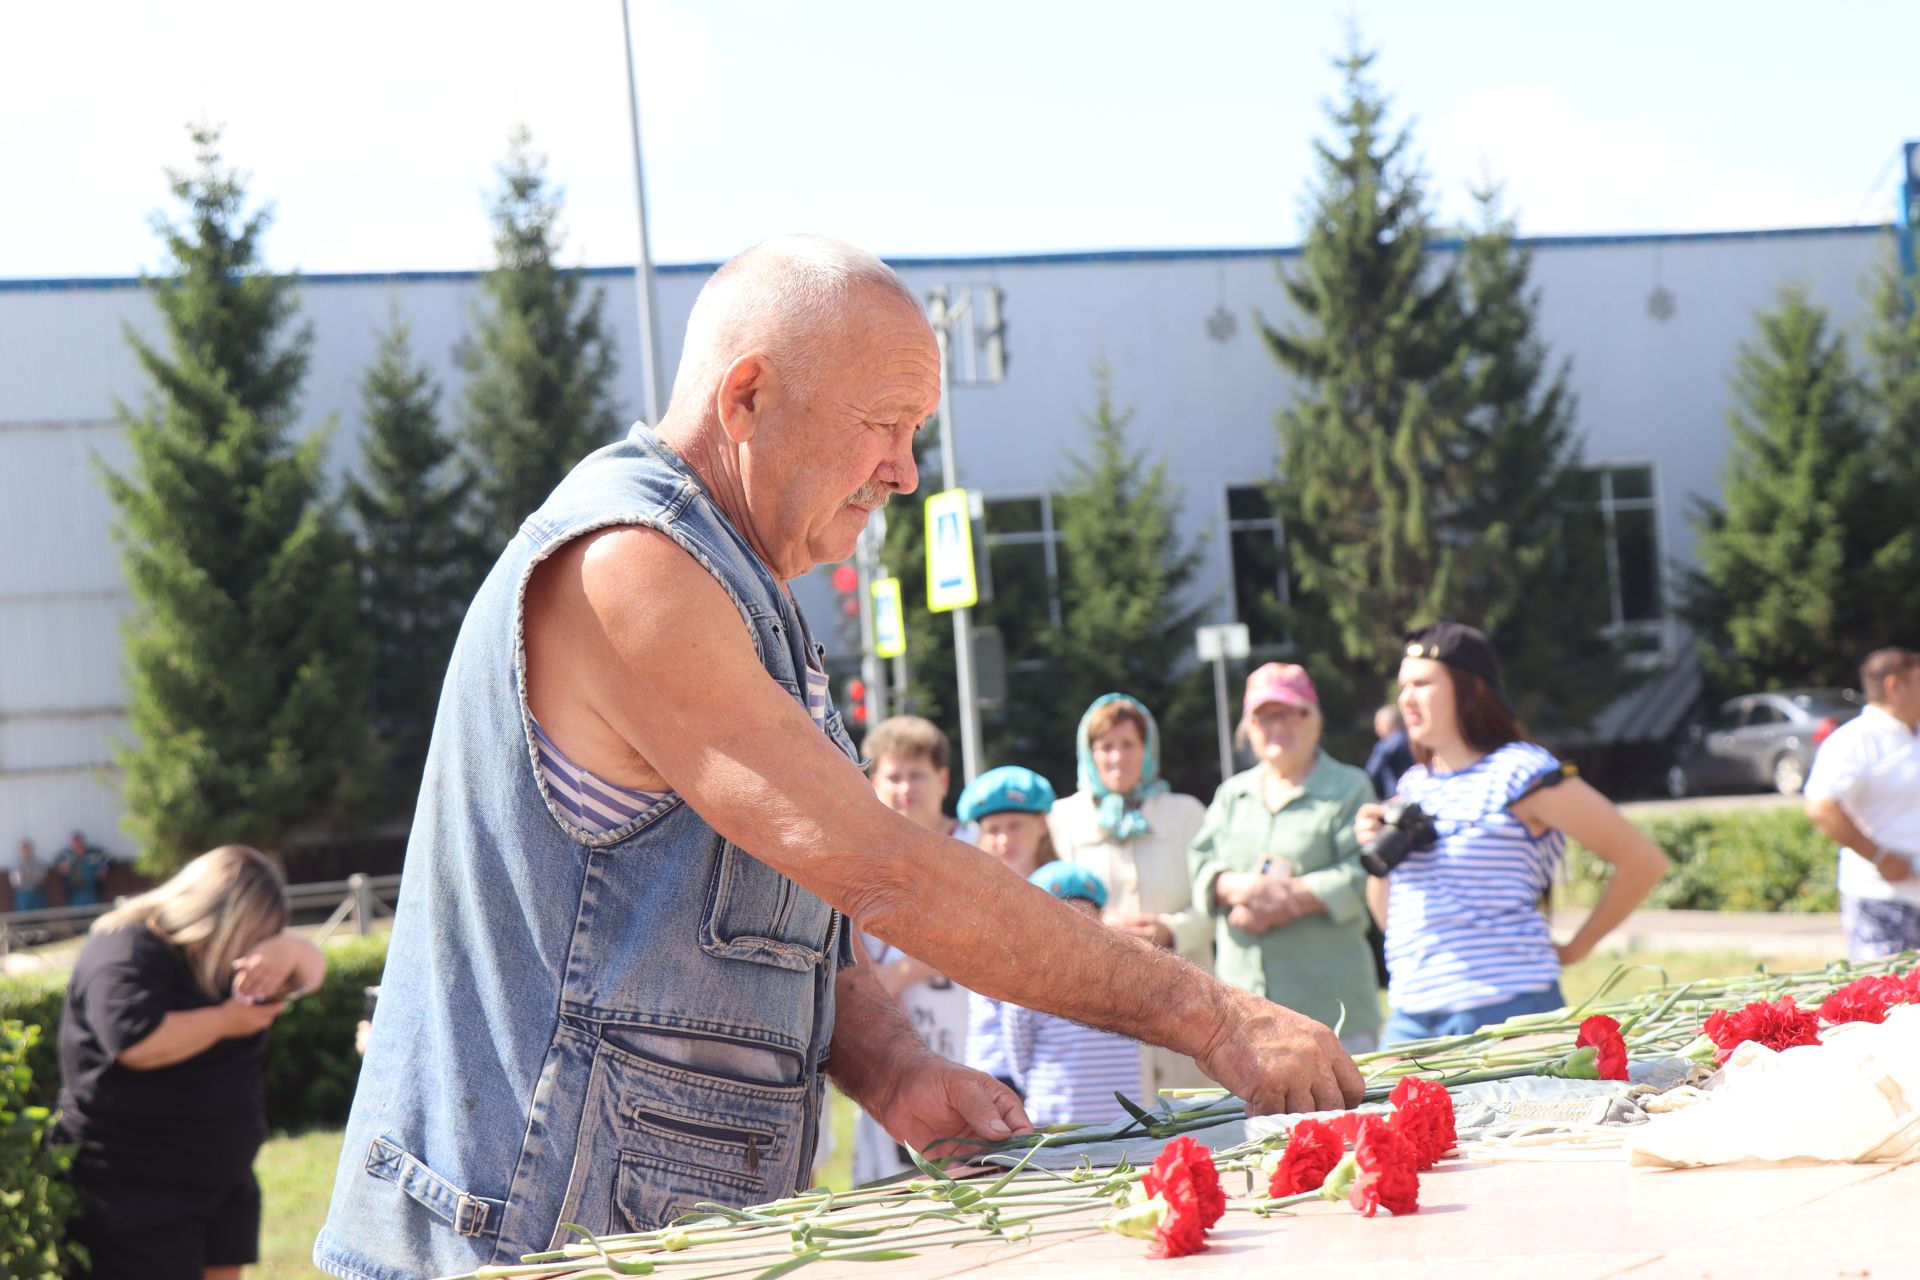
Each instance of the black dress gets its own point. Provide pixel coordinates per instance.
(164, 1158)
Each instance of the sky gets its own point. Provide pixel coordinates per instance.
(373, 127)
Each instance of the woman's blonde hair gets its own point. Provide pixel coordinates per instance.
(215, 909)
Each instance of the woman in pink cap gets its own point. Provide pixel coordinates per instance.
(1277, 865)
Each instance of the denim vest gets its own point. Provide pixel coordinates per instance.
(554, 1003)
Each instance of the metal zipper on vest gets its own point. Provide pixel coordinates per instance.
(748, 1139)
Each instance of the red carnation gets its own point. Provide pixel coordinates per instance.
(1184, 1176)
(1388, 1177)
(1910, 980)
(1780, 1025)
(1346, 1126)
(1187, 1154)
(1603, 1033)
(1312, 1151)
(1423, 1113)
(1862, 1000)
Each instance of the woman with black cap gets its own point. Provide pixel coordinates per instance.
(1467, 941)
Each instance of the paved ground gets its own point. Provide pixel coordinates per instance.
(1712, 804)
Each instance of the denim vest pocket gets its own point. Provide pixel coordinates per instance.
(469, 1215)
(650, 1192)
(757, 914)
(657, 1138)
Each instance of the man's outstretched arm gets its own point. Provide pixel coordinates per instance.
(666, 660)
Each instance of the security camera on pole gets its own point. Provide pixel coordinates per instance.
(952, 584)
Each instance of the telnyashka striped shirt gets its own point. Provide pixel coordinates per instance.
(1067, 1072)
(596, 806)
(1464, 921)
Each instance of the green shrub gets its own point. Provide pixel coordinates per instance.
(1745, 860)
(311, 1063)
(36, 1201)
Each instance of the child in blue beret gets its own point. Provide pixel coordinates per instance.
(1066, 1072)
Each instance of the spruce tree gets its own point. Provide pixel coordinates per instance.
(1369, 448)
(418, 562)
(1127, 621)
(245, 675)
(1785, 592)
(1530, 559)
(538, 395)
(1893, 402)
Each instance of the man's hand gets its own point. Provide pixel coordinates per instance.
(1280, 1061)
(1893, 867)
(930, 1099)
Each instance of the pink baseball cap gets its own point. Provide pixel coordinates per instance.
(1279, 682)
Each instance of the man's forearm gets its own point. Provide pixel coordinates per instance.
(871, 1035)
(993, 933)
(1836, 825)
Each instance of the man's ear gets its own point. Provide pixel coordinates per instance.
(747, 391)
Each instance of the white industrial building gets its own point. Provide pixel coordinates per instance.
(1651, 324)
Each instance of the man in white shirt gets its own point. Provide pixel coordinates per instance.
(1864, 792)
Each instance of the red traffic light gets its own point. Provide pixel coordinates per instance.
(846, 579)
(857, 690)
(860, 713)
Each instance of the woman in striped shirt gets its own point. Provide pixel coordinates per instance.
(1467, 940)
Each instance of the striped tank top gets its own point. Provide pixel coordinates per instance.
(596, 806)
(1464, 924)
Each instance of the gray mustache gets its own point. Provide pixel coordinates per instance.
(871, 495)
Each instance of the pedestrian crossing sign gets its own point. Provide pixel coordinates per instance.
(950, 578)
(889, 624)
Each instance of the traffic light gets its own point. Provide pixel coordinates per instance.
(846, 609)
(857, 700)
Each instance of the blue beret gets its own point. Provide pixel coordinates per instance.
(1008, 789)
(1068, 881)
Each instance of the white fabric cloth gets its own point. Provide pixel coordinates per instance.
(1871, 766)
(1851, 1098)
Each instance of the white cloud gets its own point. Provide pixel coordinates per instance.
(1565, 173)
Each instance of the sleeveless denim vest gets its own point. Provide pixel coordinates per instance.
(549, 995)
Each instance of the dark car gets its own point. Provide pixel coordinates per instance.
(1760, 741)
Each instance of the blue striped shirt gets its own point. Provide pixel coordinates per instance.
(1464, 924)
(596, 806)
(1067, 1072)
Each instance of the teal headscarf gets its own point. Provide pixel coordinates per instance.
(1119, 815)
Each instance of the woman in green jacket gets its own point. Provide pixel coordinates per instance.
(1277, 865)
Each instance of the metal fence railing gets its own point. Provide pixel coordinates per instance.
(358, 900)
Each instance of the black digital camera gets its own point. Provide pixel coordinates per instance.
(1405, 828)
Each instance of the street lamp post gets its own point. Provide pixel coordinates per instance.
(650, 389)
(1217, 645)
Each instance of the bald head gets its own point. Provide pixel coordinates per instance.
(792, 299)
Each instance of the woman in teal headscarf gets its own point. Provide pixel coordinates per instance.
(1127, 826)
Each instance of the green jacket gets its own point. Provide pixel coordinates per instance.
(1318, 963)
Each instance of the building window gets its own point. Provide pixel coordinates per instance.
(1023, 556)
(1620, 500)
(1257, 548)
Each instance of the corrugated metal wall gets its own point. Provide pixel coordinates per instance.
(1651, 325)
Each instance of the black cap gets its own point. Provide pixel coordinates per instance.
(1461, 646)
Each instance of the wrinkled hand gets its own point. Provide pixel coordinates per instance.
(933, 1099)
(263, 972)
(1267, 904)
(1281, 1061)
(247, 1017)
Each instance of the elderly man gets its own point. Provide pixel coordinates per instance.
(623, 959)
(1864, 793)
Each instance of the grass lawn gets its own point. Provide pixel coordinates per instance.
(296, 1173)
